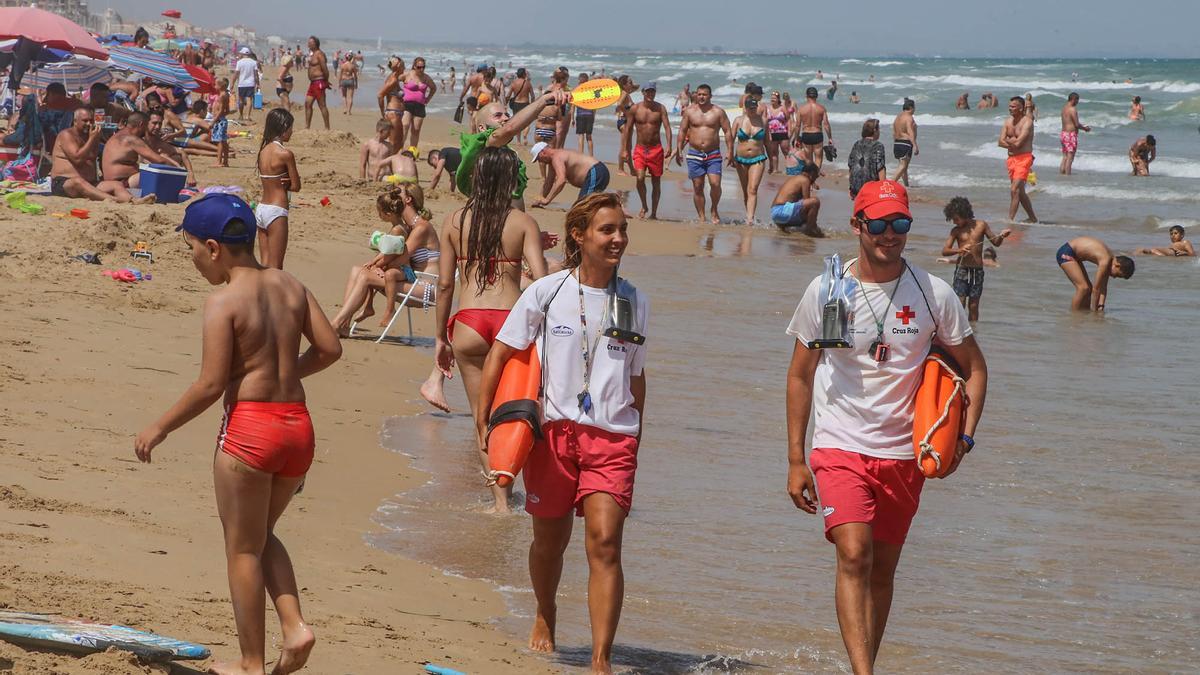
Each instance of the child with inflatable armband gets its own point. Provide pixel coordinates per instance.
(391, 264)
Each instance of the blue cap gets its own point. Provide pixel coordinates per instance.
(650, 85)
(206, 218)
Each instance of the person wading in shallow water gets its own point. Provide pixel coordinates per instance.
(862, 461)
(592, 417)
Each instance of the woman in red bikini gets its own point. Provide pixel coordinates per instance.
(485, 242)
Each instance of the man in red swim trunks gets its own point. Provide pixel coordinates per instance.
(649, 155)
(318, 82)
(265, 445)
(862, 461)
(1017, 137)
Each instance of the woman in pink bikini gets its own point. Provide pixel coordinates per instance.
(417, 88)
(778, 124)
(485, 242)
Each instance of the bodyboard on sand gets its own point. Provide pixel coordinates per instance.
(76, 635)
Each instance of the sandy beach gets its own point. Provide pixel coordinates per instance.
(86, 531)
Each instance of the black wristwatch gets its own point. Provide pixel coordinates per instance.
(970, 443)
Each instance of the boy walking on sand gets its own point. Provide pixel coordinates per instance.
(220, 123)
(966, 242)
(252, 331)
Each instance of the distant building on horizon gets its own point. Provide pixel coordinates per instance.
(75, 10)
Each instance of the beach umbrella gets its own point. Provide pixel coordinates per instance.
(166, 44)
(39, 55)
(74, 75)
(49, 30)
(173, 13)
(154, 65)
(203, 78)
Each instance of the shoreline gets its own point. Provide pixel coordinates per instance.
(92, 360)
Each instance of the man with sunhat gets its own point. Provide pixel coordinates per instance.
(861, 461)
(568, 166)
(649, 154)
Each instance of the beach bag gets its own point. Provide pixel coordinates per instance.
(24, 168)
(458, 114)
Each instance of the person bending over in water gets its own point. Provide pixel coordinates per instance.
(1179, 247)
(966, 244)
(1070, 258)
(251, 335)
(485, 242)
(595, 396)
(1141, 153)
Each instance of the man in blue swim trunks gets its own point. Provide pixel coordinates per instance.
(795, 204)
(1070, 258)
(701, 129)
(568, 166)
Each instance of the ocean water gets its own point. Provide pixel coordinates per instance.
(1066, 543)
(958, 148)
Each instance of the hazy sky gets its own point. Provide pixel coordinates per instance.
(1013, 28)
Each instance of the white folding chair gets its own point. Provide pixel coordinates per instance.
(426, 298)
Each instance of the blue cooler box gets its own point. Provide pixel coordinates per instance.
(258, 100)
(164, 181)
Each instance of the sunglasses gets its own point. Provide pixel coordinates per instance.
(900, 225)
(419, 67)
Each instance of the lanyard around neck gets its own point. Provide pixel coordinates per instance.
(585, 396)
(879, 322)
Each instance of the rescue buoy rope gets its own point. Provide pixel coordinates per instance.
(959, 390)
(490, 477)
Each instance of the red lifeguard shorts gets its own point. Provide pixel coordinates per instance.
(858, 488)
(573, 461)
(275, 438)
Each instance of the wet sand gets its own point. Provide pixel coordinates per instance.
(87, 362)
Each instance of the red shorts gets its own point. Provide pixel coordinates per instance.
(858, 488)
(574, 461)
(649, 158)
(316, 89)
(275, 438)
(1019, 166)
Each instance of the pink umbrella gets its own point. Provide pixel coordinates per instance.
(48, 29)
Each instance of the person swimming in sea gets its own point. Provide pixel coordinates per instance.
(1179, 248)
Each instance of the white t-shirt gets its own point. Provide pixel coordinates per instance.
(613, 361)
(860, 404)
(246, 69)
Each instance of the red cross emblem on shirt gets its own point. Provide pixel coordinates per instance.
(906, 314)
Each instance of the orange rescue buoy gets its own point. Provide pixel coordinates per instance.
(939, 414)
(516, 417)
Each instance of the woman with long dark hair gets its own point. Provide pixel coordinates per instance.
(486, 242)
(595, 392)
(277, 170)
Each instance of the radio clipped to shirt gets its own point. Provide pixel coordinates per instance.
(836, 292)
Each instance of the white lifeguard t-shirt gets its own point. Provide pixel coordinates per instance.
(613, 363)
(860, 404)
(246, 68)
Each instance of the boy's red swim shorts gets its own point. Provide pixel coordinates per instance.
(276, 438)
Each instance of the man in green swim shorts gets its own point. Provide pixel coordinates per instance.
(494, 127)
